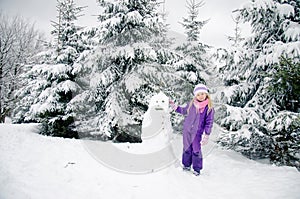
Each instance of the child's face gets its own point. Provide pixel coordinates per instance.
(201, 96)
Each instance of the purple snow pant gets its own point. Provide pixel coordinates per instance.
(192, 154)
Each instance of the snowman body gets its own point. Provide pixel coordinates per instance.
(156, 126)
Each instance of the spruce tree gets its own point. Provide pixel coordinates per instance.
(50, 84)
(237, 38)
(193, 49)
(285, 84)
(126, 70)
(253, 111)
(191, 24)
(66, 33)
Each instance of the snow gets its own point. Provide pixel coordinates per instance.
(237, 116)
(105, 78)
(259, 4)
(133, 82)
(283, 121)
(134, 16)
(291, 49)
(67, 86)
(57, 69)
(285, 10)
(34, 166)
(292, 31)
(47, 103)
(156, 126)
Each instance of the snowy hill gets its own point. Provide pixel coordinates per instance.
(35, 166)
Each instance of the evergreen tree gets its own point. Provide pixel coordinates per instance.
(256, 68)
(50, 84)
(162, 41)
(126, 70)
(65, 31)
(285, 84)
(191, 24)
(237, 38)
(193, 49)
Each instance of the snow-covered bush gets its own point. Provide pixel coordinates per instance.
(250, 140)
(285, 131)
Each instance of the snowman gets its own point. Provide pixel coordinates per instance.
(159, 147)
(156, 126)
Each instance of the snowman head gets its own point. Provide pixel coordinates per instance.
(159, 102)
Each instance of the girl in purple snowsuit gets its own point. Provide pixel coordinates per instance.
(199, 117)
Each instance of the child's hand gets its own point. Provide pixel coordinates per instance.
(205, 139)
(173, 105)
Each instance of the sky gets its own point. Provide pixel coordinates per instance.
(215, 32)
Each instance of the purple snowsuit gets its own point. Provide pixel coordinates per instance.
(195, 124)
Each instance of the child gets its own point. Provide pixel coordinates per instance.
(199, 116)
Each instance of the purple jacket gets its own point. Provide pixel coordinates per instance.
(196, 123)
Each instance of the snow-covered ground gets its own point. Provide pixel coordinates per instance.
(34, 166)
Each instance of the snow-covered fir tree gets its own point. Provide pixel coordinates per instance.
(126, 70)
(237, 38)
(191, 24)
(69, 42)
(257, 119)
(51, 83)
(193, 49)
(162, 41)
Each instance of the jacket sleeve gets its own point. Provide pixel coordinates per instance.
(182, 110)
(209, 122)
